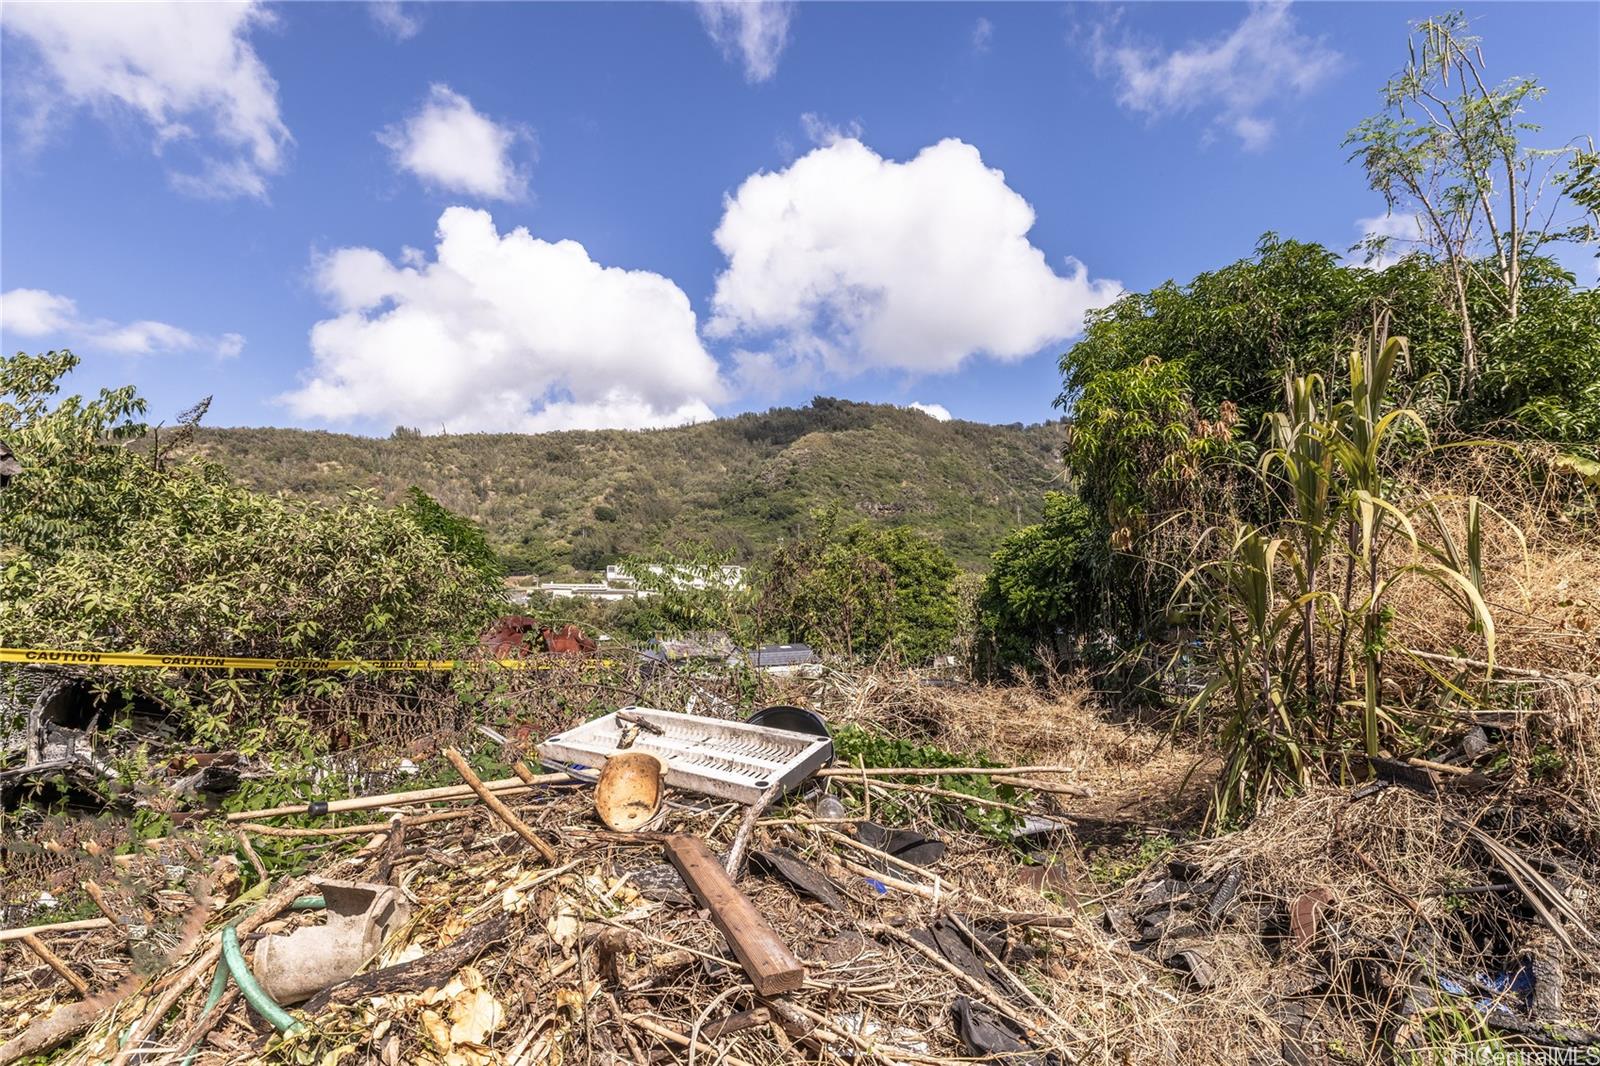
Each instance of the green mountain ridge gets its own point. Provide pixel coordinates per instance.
(573, 501)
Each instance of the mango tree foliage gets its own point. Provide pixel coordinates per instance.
(1044, 581)
(1542, 375)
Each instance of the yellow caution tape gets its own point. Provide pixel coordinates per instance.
(63, 657)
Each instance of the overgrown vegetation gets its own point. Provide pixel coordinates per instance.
(854, 746)
(569, 503)
(1043, 585)
(108, 545)
(1295, 612)
(860, 590)
(853, 589)
(1257, 502)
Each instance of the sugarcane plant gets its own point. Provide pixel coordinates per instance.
(1295, 612)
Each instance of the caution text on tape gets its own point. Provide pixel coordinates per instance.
(65, 657)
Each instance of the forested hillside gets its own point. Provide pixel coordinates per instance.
(557, 502)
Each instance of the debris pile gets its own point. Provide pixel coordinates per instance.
(1368, 924)
(668, 889)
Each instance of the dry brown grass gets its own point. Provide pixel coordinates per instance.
(1541, 553)
(1057, 723)
(1541, 578)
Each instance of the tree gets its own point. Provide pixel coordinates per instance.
(1581, 184)
(693, 589)
(1044, 581)
(860, 590)
(1447, 149)
(1168, 390)
(77, 478)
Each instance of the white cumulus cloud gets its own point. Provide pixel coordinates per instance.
(393, 18)
(982, 35)
(1386, 239)
(186, 69)
(936, 411)
(450, 146)
(755, 32)
(503, 333)
(37, 313)
(1234, 77)
(819, 130)
(855, 261)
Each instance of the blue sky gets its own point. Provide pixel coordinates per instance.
(310, 211)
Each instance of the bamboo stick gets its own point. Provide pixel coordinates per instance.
(101, 904)
(249, 850)
(58, 927)
(1080, 791)
(500, 810)
(56, 963)
(1442, 767)
(936, 893)
(1481, 664)
(984, 991)
(893, 860)
(504, 786)
(928, 790)
(941, 771)
(682, 1041)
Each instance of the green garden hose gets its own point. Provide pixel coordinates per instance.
(232, 963)
(252, 992)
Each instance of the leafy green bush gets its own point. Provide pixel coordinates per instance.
(103, 547)
(1542, 368)
(461, 536)
(689, 592)
(854, 746)
(860, 590)
(1044, 582)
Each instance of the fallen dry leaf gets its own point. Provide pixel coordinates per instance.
(563, 928)
(474, 1015)
(437, 1030)
(453, 927)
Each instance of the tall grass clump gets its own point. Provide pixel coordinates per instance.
(1295, 613)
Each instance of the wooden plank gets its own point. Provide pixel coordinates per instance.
(773, 969)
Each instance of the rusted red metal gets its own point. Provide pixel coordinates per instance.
(515, 635)
(568, 640)
(511, 636)
(1303, 915)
